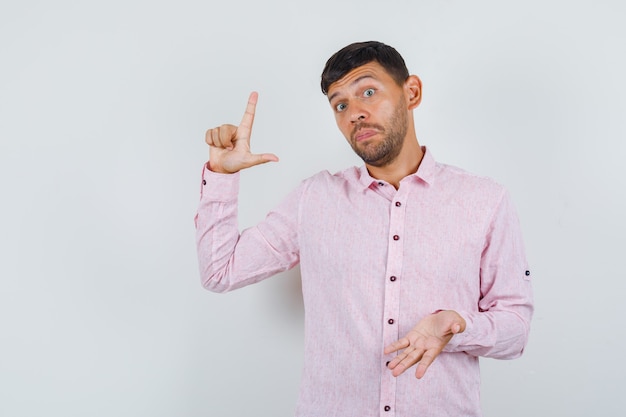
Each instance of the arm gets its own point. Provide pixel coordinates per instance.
(499, 327)
(227, 259)
(230, 260)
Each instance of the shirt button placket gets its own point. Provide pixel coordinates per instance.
(392, 303)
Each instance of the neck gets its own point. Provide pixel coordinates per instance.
(405, 164)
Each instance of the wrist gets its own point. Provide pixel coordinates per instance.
(217, 168)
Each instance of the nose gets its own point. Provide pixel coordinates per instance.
(358, 114)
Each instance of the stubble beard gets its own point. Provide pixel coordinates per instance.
(385, 151)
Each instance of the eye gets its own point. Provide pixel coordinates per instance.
(369, 92)
(340, 107)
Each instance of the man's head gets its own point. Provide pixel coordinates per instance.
(361, 53)
(372, 96)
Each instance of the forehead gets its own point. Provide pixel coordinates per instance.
(371, 70)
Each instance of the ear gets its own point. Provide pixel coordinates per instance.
(413, 91)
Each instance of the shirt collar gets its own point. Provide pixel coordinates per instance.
(425, 172)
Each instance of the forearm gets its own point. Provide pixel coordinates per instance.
(228, 259)
(217, 229)
(493, 334)
(499, 324)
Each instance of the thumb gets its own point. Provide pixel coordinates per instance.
(257, 159)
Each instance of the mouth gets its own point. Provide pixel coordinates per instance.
(364, 134)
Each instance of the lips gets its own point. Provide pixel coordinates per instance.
(363, 134)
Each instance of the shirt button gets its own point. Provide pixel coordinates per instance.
(381, 183)
(398, 204)
(387, 364)
(527, 273)
(203, 182)
(396, 237)
(390, 321)
(392, 278)
(387, 408)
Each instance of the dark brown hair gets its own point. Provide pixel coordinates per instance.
(361, 53)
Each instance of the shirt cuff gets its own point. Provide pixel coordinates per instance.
(218, 187)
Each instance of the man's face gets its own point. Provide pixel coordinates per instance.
(371, 111)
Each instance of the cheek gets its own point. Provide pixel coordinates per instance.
(386, 109)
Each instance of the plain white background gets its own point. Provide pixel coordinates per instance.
(103, 109)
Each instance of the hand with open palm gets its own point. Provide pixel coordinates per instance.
(425, 342)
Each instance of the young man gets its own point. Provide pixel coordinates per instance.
(403, 260)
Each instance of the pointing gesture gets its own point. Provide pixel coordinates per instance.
(229, 146)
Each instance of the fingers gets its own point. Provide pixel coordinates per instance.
(405, 360)
(229, 146)
(221, 137)
(268, 157)
(397, 345)
(424, 342)
(226, 135)
(257, 159)
(456, 328)
(411, 356)
(450, 321)
(241, 161)
(427, 359)
(245, 127)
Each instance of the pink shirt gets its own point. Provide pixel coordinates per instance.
(375, 260)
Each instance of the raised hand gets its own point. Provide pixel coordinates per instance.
(425, 342)
(229, 146)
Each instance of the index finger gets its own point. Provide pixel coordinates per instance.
(397, 345)
(245, 127)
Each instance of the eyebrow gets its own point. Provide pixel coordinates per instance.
(362, 77)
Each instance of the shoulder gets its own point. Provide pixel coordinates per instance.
(468, 185)
(324, 185)
(340, 178)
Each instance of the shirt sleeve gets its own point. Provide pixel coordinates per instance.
(228, 259)
(500, 326)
